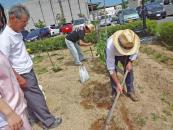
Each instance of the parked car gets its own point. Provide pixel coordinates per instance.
(105, 21)
(54, 30)
(155, 10)
(24, 34)
(78, 23)
(127, 16)
(66, 28)
(37, 34)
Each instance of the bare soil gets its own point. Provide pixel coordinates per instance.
(85, 106)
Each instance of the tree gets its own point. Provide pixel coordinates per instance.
(39, 24)
(62, 21)
(81, 15)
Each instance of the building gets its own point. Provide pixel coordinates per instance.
(134, 3)
(49, 11)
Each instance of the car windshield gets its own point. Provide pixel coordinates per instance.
(79, 21)
(154, 6)
(129, 11)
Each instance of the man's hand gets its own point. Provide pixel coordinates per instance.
(119, 88)
(14, 121)
(129, 66)
(21, 81)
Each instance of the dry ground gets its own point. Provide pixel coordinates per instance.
(85, 106)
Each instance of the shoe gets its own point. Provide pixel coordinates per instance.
(78, 64)
(132, 96)
(84, 59)
(56, 123)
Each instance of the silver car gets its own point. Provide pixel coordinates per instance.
(127, 16)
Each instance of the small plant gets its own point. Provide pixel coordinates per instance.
(42, 70)
(38, 59)
(167, 113)
(154, 116)
(141, 121)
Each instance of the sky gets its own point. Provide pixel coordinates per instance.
(8, 3)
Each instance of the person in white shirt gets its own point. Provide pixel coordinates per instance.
(13, 47)
(12, 103)
(122, 46)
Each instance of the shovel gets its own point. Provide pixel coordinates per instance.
(109, 116)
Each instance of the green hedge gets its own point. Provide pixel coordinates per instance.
(166, 33)
(47, 44)
(55, 43)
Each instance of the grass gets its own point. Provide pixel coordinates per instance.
(41, 70)
(154, 116)
(167, 113)
(164, 97)
(155, 55)
(140, 120)
(38, 59)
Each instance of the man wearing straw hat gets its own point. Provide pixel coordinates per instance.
(122, 46)
(76, 38)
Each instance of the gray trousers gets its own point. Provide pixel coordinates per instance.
(129, 79)
(36, 104)
(75, 51)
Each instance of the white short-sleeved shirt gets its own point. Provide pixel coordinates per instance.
(111, 52)
(13, 47)
(10, 90)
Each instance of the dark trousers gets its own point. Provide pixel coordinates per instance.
(129, 79)
(36, 104)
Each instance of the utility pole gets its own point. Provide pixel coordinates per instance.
(52, 11)
(41, 12)
(144, 16)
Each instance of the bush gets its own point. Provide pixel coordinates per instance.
(152, 27)
(166, 32)
(47, 44)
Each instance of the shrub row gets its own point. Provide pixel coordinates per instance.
(54, 43)
(165, 33)
(47, 44)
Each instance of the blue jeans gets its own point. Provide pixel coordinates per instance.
(75, 51)
(129, 79)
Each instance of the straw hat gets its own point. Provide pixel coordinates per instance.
(90, 27)
(126, 42)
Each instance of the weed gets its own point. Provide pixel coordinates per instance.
(38, 59)
(154, 54)
(154, 116)
(140, 120)
(42, 70)
(167, 113)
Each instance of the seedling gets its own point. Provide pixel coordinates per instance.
(55, 68)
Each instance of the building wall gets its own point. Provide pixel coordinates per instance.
(48, 15)
(134, 3)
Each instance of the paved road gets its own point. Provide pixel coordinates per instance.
(167, 19)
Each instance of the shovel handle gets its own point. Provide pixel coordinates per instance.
(114, 103)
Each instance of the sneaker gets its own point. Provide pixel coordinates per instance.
(84, 59)
(132, 96)
(56, 123)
